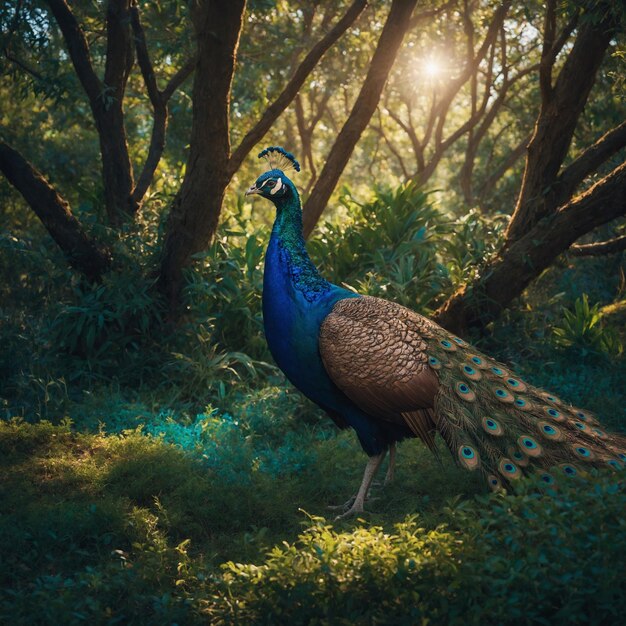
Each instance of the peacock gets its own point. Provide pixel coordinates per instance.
(390, 373)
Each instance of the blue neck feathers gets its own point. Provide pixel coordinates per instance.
(287, 233)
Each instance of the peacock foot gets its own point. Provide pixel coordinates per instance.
(342, 507)
(357, 507)
(349, 504)
(355, 504)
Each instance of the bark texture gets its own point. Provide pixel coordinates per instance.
(81, 251)
(195, 211)
(396, 26)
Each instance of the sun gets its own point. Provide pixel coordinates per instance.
(433, 67)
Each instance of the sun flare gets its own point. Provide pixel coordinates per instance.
(432, 67)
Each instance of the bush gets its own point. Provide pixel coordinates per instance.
(584, 330)
(526, 559)
(130, 529)
(389, 247)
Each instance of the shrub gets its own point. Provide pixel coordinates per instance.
(584, 330)
(525, 559)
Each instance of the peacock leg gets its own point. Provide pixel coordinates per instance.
(371, 468)
(392, 464)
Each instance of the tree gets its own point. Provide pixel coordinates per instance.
(398, 22)
(550, 216)
(195, 211)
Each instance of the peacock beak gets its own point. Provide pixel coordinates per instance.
(252, 191)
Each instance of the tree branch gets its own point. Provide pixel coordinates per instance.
(552, 47)
(143, 57)
(179, 78)
(426, 15)
(442, 108)
(77, 48)
(564, 35)
(396, 153)
(106, 99)
(408, 128)
(599, 248)
(291, 89)
(506, 277)
(81, 251)
(364, 107)
(508, 162)
(554, 129)
(589, 161)
(467, 169)
(25, 66)
(158, 99)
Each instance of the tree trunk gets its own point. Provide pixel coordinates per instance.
(117, 175)
(524, 260)
(561, 107)
(397, 24)
(106, 98)
(117, 170)
(81, 251)
(195, 211)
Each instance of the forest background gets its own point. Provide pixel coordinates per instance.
(463, 158)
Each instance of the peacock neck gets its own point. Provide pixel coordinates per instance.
(287, 233)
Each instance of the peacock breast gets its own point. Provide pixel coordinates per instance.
(292, 317)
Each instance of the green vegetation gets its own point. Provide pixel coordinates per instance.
(180, 463)
(155, 465)
(131, 529)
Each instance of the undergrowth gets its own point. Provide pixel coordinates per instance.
(130, 529)
(158, 475)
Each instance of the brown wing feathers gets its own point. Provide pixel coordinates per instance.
(375, 352)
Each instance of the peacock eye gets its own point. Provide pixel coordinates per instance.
(270, 183)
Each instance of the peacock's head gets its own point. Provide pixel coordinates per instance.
(275, 185)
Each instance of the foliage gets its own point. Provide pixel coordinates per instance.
(512, 560)
(128, 528)
(388, 247)
(583, 328)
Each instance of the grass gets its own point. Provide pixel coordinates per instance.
(133, 509)
(137, 503)
(127, 528)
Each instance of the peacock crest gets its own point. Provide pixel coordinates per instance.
(279, 159)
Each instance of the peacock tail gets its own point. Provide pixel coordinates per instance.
(395, 363)
(493, 421)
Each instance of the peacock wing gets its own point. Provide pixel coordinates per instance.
(400, 366)
(375, 351)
